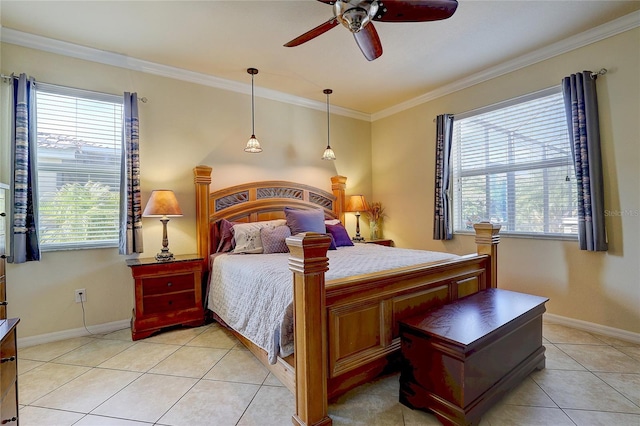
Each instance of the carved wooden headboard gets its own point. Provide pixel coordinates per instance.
(255, 201)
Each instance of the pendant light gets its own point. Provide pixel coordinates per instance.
(328, 153)
(253, 146)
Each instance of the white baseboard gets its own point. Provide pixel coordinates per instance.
(69, 334)
(593, 328)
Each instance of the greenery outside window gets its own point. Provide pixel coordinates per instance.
(79, 148)
(512, 165)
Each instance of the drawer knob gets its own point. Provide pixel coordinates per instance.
(4, 303)
(170, 302)
(3, 256)
(169, 284)
(11, 358)
(3, 214)
(12, 419)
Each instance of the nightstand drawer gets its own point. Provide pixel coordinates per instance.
(169, 302)
(8, 361)
(167, 284)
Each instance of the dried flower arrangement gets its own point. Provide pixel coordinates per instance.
(375, 211)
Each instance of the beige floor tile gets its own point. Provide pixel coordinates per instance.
(558, 360)
(211, 403)
(147, 398)
(418, 418)
(41, 380)
(632, 351)
(190, 361)
(25, 365)
(517, 415)
(383, 385)
(91, 420)
(178, 336)
(626, 384)
(36, 416)
(272, 380)
(272, 406)
(238, 366)
(94, 353)
(124, 334)
(557, 333)
(601, 358)
(528, 393)
(597, 418)
(140, 357)
(365, 409)
(582, 390)
(86, 392)
(214, 337)
(49, 351)
(614, 341)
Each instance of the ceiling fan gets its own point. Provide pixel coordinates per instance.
(357, 16)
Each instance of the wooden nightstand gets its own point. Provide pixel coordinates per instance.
(166, 294)
(8, 371)
(381, 242)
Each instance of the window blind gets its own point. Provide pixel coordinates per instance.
(79, 149)
(512, 165)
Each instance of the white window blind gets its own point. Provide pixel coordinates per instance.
(79, 148)
(512, 165)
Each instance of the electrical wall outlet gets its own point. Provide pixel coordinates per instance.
(81, 295)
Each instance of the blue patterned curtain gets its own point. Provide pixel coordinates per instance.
(130, 200)
(24, 196)
(581, 107)
(441, 220)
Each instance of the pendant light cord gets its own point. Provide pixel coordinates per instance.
(253, 116)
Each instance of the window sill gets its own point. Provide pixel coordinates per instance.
(558, 237)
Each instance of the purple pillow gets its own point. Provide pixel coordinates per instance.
(332, 245)
(340, 235)
(305, 220)
(273, 239)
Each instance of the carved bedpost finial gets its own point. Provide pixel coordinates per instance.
(309, 262)
(487, 240)
(202, 181)
(338, 187)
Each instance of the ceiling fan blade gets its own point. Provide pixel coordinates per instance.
(415, 10)
(369, 42)
(311, 34)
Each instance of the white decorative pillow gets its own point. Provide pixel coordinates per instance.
(332, 221)
(247, 235)
(273, 239)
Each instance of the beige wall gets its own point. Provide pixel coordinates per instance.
(182, 125)
(602, 288)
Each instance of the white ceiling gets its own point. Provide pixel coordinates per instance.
(224, 38)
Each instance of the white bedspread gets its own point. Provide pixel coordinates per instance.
(253, 293)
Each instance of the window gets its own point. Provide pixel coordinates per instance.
(79, 147)
(512, 165)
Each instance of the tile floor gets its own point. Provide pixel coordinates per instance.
(203, 376)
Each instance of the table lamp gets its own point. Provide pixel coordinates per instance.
(163, 203)
(357, 204)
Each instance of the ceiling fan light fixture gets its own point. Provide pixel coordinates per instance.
(253, 145)
(328, 152)
(355, 17)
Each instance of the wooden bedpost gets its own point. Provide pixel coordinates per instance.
(487, 240)
(202, 180)
(338, 185)
(308, 262)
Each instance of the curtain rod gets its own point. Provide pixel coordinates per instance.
(600, 72)
(8, 78)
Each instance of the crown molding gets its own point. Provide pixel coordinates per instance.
(612, 28)
(64, 48)
(609, 29)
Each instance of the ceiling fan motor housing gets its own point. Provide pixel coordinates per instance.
(355, 14)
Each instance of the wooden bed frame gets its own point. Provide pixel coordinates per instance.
(346, 331)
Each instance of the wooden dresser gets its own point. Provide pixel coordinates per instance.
(166, 294)
(8, 371)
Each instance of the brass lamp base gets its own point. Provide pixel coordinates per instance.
(357, 238)
(164, 256)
